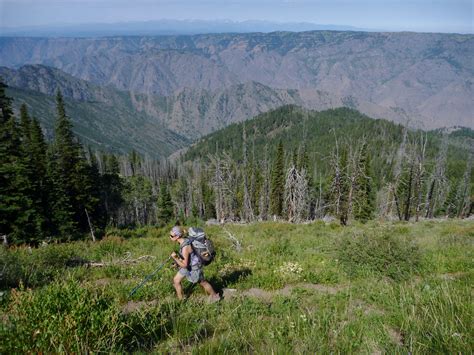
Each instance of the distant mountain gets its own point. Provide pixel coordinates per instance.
(424, 79)
(166, 27)
(190, 112)
(103, 118)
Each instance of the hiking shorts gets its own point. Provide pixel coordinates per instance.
(194, 275)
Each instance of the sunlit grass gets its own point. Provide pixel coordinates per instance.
(298, 288)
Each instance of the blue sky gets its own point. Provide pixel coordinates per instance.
(412, 15)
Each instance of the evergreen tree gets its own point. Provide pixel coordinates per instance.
(277, 189)
(340, 186)
(61, 160)
(139, 201)
(74, 186)
(41, 186)
(364, 197)
(34, 149)
(111, 191)
(450, 205)
(16, 207)
(405, 191)
(207, 210)
(25, 125)
(165, 205)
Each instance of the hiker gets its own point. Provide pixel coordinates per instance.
(190, 266)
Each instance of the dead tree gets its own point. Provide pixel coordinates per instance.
(296, 195)
(393, 187)
(438, 184)
(247, 211)
(463, 195)
(224, 184)
(420, 173)
(264, 202)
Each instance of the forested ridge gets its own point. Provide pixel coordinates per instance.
(289, 164)
(337, 155)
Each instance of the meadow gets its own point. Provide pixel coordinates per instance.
(380, 287)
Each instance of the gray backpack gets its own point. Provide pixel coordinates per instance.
(201, 245)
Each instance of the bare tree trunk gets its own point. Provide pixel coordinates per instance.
(265, 191)
(247, 208)
(420, 174)
(397, 171)
(408, 196)
(90, 225)
(437, 191)
(463, 194)
(296, 195)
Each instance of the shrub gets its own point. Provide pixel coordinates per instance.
(62, 317)
(33, 267)
(383, 253)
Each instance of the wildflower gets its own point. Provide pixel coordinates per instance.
(290, 269)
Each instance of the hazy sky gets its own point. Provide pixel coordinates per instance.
(414, 15)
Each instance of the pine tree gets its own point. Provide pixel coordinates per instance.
(165, 205)
(41, 183)
(277, 189)
(34, 149)
(25, 125)
(74, 190)
(364, 197)
(340, 185)
(16, 207)
(112, 187)
(450, 205)
(405, 191)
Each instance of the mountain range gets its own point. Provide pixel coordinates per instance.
(424, 79)
(165, 27)
(189, 113)
(156, 94)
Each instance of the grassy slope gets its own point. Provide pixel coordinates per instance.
(114, 127)
(333, 304)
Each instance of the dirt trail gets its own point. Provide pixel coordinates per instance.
(286, 291)
(133, 306)
(229, 294)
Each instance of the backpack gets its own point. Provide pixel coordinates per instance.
(201, 245)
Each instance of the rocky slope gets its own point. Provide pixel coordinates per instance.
(102, 117)
(189, 112)
(427, 77)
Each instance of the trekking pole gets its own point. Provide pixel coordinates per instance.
(148, 277)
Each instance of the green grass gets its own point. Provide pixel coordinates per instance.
(378, 287)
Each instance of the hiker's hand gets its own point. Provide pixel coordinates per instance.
(173, 255)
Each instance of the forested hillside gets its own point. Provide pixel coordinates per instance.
(289, 164)
(333, 155)
(103, 118)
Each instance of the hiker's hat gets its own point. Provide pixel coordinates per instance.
(176, 231)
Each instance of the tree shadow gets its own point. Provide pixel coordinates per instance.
(219, 283)
(76, 262)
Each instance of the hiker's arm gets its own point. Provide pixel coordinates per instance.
(182, 262)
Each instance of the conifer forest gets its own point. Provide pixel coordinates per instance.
(289, 164)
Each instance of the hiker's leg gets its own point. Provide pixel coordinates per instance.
(177, 285)
(208, 288)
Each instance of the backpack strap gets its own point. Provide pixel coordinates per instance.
(187, 242)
